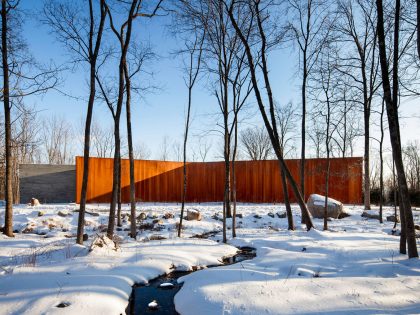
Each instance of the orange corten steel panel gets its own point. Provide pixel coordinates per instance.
(257, 181)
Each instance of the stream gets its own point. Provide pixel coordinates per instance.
(143, 294)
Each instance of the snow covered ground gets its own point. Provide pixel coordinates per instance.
(354, 267)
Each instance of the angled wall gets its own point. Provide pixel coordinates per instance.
(47, 183)
(257, 181)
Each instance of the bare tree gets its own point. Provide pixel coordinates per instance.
(141, 151)
(286, 126)
(57, 135)
(22, 76)
(102, 140)
(164, 149)
(408, 237)
(257, 15)
(80, 30)
(256, 143)
(194, 51)
(204, 147)
(358, 28)
(411, 155)
(309, 28)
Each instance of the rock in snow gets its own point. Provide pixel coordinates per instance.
(193, 215)
(35, 202)
(368, 214)
(153, 305)
(316, 206)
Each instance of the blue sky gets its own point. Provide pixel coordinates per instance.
(162, 113)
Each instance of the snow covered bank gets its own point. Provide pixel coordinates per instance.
(354, 267)
(38, 273)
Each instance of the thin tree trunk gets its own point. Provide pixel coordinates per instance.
(235, 146)
(394, 128)
(114, 196)
(381, 166)
(8, 224)
(94, 55)
(395, 195)
(290, 223)
(271, 130)
(133, 231)
(184, 188)
(119, 223)
(303, 131)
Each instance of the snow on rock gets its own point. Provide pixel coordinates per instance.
(316, 206)
(193, 215)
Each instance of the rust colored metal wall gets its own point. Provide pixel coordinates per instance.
(257, 181)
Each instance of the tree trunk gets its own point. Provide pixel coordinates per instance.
(394, 128)
(8, 224)
(381, 166)
(366, 183)
(93, 52)
(119, 223)
(235, 147)
(114, 196)
(291, 225)
(303, 130)
(184, 188)
(133, 230)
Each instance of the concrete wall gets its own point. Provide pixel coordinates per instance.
(47, 183)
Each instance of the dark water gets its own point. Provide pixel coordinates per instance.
(144, 294)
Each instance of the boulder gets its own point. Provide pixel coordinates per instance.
(393, 218)
(369, 215)
(193, 215)
(316, 206)
(142, 216)
(281, 215)
(168, 215)
(63, 213)
(35, 202)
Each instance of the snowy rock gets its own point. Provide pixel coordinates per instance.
(168, 215)
(281, 215)
(156, 237)
(256, 216)
(239, 215)
(63, 213)
(153, 305)
(368, 214)
(316, 207)
(392, 218)
(152, 216)
(270, 214)
(158, 221)
(193, 215)
(35, 202)
(40, 213)
(142, 216)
